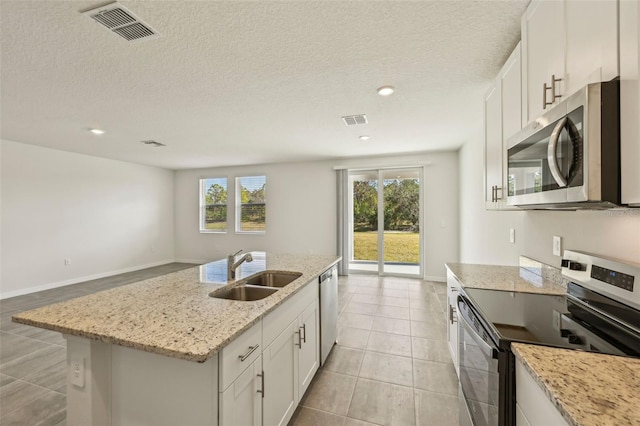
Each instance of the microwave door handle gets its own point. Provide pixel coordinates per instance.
(552, 155)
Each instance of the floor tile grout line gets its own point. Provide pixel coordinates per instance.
(37, 340)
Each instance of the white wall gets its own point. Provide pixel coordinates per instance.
(301, 209)
(484, 235)
(301, 212)
(106, 216)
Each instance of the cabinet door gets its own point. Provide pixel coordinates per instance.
(511, 92)
(309, 353)
(591, 42)
(241, 403)
(280, 369)
(452, 319)
(492, 144)
(542, 53)
(630, 101)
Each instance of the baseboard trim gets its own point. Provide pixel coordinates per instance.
(437, 279)
(49, 286)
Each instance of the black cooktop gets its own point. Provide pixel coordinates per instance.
(550, 320)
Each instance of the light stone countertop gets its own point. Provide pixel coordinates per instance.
(527, 278)
(587, 388)
(173, 314)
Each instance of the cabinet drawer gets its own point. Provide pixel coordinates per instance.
(239, 354)
(283, 315)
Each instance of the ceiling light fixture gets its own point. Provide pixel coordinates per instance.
(365, 138)
(386, 90)
(97, 131)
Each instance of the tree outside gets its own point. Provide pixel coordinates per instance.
(401, 220)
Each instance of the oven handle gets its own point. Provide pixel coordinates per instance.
(489, 350)
(552, 154)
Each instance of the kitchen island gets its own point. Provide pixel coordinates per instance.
(155, 352)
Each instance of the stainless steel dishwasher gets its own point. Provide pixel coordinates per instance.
(328, 311)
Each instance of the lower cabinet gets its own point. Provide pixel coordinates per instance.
(533, 407)
(453, 286)
(241, 402)
(268, 390)
(280, 366)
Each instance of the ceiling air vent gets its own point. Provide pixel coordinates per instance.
(153, 143)
(353, 120)
(121, 21)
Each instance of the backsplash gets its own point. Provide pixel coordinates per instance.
(547, 272)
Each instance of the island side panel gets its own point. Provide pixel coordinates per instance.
(88, 382)
(156, 390)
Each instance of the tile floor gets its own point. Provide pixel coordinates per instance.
(390, 366)
(33, 360)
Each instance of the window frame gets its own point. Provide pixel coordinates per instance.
(203, 205)
(238, 205)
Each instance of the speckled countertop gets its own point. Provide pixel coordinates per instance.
(529, 277)
(173, 314)
(588, 388)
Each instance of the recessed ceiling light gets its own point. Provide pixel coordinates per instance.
(97, 131)
(386, 90)
(365, 138)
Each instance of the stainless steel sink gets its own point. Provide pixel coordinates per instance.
(273, 278)
(244, 293)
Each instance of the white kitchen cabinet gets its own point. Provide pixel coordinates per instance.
(503, 118)
(630, 101)
(453, 287)
(573, 41)
(280, 369)
(534, 408)
(241, 402)
(309, 349)
(291, 359)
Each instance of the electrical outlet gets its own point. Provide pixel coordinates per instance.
(67, 261)
(557, 245)
(77, 372)
(512, 235)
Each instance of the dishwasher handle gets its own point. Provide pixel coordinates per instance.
(326, 275)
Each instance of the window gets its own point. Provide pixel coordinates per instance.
(213, 205)
(251, 204)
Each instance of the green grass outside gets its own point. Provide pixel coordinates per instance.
(398, 246)
(247, 226)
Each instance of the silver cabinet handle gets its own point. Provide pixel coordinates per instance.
(551, 154)
(304, 333)
(262, 384)
(248, 353)
(544, 96)
(554, 80)
(452, 312)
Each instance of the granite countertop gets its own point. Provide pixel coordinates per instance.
(173, 314)
(529, 277)
(587, 388)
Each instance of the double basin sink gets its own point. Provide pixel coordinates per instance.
(257, 287)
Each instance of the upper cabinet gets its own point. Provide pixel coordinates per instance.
(630, 101)
(502, 118)
(566, 45)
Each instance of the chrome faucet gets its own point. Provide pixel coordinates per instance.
(232, 265)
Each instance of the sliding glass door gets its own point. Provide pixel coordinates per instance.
(385, 221)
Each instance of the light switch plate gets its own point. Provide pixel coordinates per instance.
(557, 245)
(512, 235)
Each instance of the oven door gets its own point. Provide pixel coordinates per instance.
(478, 362)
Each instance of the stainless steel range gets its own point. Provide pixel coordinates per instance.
(599, 313)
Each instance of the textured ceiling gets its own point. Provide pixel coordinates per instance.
(238, 82)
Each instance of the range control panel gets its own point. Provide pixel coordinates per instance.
(607, 276)
(615, 278)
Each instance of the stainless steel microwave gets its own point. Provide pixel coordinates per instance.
(569, 158)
